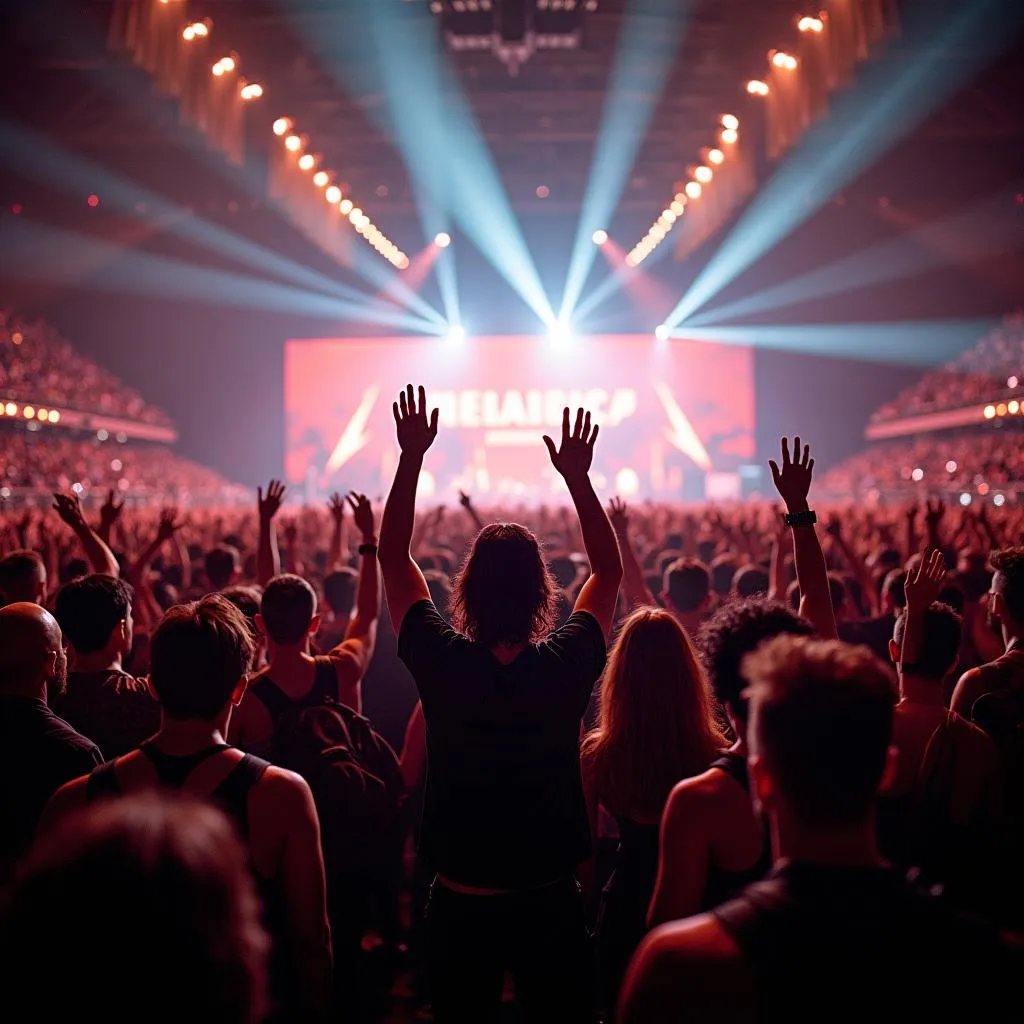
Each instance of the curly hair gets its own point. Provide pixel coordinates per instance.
(737, 629)
(504, 593)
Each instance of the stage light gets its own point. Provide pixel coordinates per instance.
(917, 475)
(693, 189)
(227, 63)
(756, 88)
(188, 33)
(321, 178)
(345, 206)
(456, 333)
(983, 488)
(28, 412)
(54, 416)
(999, 500)
(543, 191)
(217, 69)
(667, 217)
(677, 207)
(784, 60)
(990, 412)
(252, 91)
(1012, 382)
(332, 194)
(281, 125)
(627, 482)
(599, 237)
(703, 174)
(442, 239)
(657, 231)
(715, 156)
(293, 143)
(43, 414)
(729, 136)
(1013, 407)
(559, 332)
(356, 215)
(661, 332)
(403, 261)
(11, 409)
(730, 121)
(951, 466)
(1001, 409)
(810, 25)
(307, 162)
(93, 200)
(965, 499)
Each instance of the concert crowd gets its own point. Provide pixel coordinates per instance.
(605, 762)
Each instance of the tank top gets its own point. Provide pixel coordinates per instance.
(277, 702)
(723, 885)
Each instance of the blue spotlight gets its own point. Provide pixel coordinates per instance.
(662, 332)
(560, 332)
(456, 334)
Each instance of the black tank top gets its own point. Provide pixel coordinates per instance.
(724, 885)
(861, 943)
(231, 796)
(277, 702)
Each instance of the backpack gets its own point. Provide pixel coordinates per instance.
(1001, 714)
(352, 771)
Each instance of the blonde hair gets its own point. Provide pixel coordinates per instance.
(656, 723)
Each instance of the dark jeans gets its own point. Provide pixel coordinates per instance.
(539, 936)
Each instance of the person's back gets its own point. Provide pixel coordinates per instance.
(504, 821)
(833, 932)
(103, 701)
(201, 654)
(39, 752)
(156, 913)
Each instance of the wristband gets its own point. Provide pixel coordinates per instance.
(368, 549)
(808, 518)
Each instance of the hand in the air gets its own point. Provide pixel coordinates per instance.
(270, 505)
(362, 514)
(793, 480)
(415, 432)
(576, 453)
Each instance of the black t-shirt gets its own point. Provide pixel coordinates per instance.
(39, 752)
(504, 805)
(858, 944)
(111, 707)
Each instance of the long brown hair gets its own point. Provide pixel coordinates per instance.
(656, 723)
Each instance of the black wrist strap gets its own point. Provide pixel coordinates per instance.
(367, 549)
(808, 518)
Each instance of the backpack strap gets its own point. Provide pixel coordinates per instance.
(233, 793)
(102, 782)
(325, 681)
(273, 698)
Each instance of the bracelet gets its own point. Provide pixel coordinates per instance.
(808, 518)
(368, 549)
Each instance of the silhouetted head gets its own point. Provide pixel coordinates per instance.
(222, 565)
(340, 591)
(161, 880)
(657, 716)
(687, 586)
(504, 593)
(939, 645)
(820, 728)
(750, 581)
(95, 614)
(288, 611)
(32, 658)
(1006, 600)
(22, 577)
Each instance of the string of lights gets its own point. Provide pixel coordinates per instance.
(700, 175)
(306, 160)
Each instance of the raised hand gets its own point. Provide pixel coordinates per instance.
(110, 511)
(168, 526)
(69, 508)
(793, 480)
(415, 432)
(270, 505)
(924, 586)
(576, 452)
(934, 513)
(362, 515)
(619, 515)
(336, 506)
(465, 500)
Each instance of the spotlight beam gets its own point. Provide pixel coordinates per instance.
(889, 99)
(643, 59)
(33, 252)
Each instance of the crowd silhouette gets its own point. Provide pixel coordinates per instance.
(600, 762)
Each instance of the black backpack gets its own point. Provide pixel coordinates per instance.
(352, 771)
(1001, 714)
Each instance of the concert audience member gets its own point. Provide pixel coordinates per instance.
(38, 751)
(832, 922)
(201, 655)
(153, 899)
(23, 577)
(505, 821)
(942, 811)
(101, 700)
(101, 558)
(656, 726)
(876, 631)
(247, 600)
(712, 843)
(289, 621)
(687, 593)
(223, 567)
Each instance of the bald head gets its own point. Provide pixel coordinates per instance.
(31, 652)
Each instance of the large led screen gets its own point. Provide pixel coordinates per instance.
(676, 416)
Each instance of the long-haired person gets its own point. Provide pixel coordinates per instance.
(504, 820)
(656, 726)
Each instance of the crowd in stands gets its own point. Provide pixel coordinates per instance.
(34, 463)
(615, 763)
(991, 370)
(37, 365)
